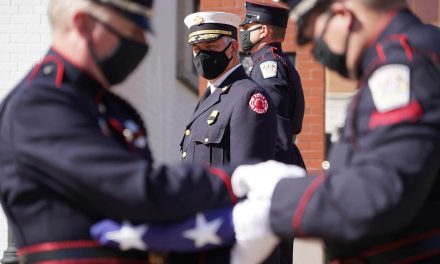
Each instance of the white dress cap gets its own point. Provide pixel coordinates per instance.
(209, 26)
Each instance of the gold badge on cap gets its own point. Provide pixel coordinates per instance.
(213, 117)
(198, 20)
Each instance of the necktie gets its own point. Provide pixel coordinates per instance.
(206, 94)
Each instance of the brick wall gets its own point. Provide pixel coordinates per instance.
(311, 139)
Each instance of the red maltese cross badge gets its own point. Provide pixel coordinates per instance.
(258, 103)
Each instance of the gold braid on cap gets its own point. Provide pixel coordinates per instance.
(211, 31)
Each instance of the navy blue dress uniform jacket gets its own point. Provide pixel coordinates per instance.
(225, 129)
(273, 70)
(380, 200)
(72, 153)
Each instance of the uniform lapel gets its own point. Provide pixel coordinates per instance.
(214, 98)
(206, 104)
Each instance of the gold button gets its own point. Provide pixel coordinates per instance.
(128, 135)
(187, 132)
(206, 140)
(183, 155)
(326, 165)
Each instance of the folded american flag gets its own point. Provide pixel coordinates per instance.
(207, 230)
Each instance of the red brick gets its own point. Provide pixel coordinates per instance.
(228, 3)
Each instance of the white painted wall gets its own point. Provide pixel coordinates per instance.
(335, 112)
(163, 102)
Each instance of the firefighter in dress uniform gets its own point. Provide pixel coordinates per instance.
(235, 120)
(262, 31)
(379, 200)
(72, 152)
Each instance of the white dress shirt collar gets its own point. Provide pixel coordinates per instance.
(219, 80)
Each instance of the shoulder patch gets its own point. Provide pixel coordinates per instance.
(390, 87)
(258, 103)
(269, 69)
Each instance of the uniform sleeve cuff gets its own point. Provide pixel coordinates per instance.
(285, 200)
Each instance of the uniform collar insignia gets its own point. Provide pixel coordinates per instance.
(225, 89)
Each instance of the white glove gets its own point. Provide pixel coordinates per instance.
(259, 181)
(254, 238)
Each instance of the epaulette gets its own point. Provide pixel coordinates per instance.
(50, 67)
(397, 47)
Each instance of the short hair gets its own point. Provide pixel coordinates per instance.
(228, 39)
(278, 32)
(59, 11)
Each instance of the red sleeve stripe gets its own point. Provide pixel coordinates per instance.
(406, 47)
(226, 180)
(410, 113)
(400, 243)
(51, 246)
(303, 202)
(95, 261)
(380, 52)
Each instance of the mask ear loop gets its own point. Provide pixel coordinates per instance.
(330, 16)
(225, 49)
(350, 29)
(250, 31)
(254, 30)
(92, 49)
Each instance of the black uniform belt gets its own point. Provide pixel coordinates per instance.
(78, 251)
(421, 247)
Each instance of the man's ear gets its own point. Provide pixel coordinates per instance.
(234, 50)
(83, 23)
(264, 31)
(339, 8)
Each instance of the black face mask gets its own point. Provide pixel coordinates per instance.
(210, 64)
(330, 59)
(123, 60)
(245, 40)
(323, 54)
